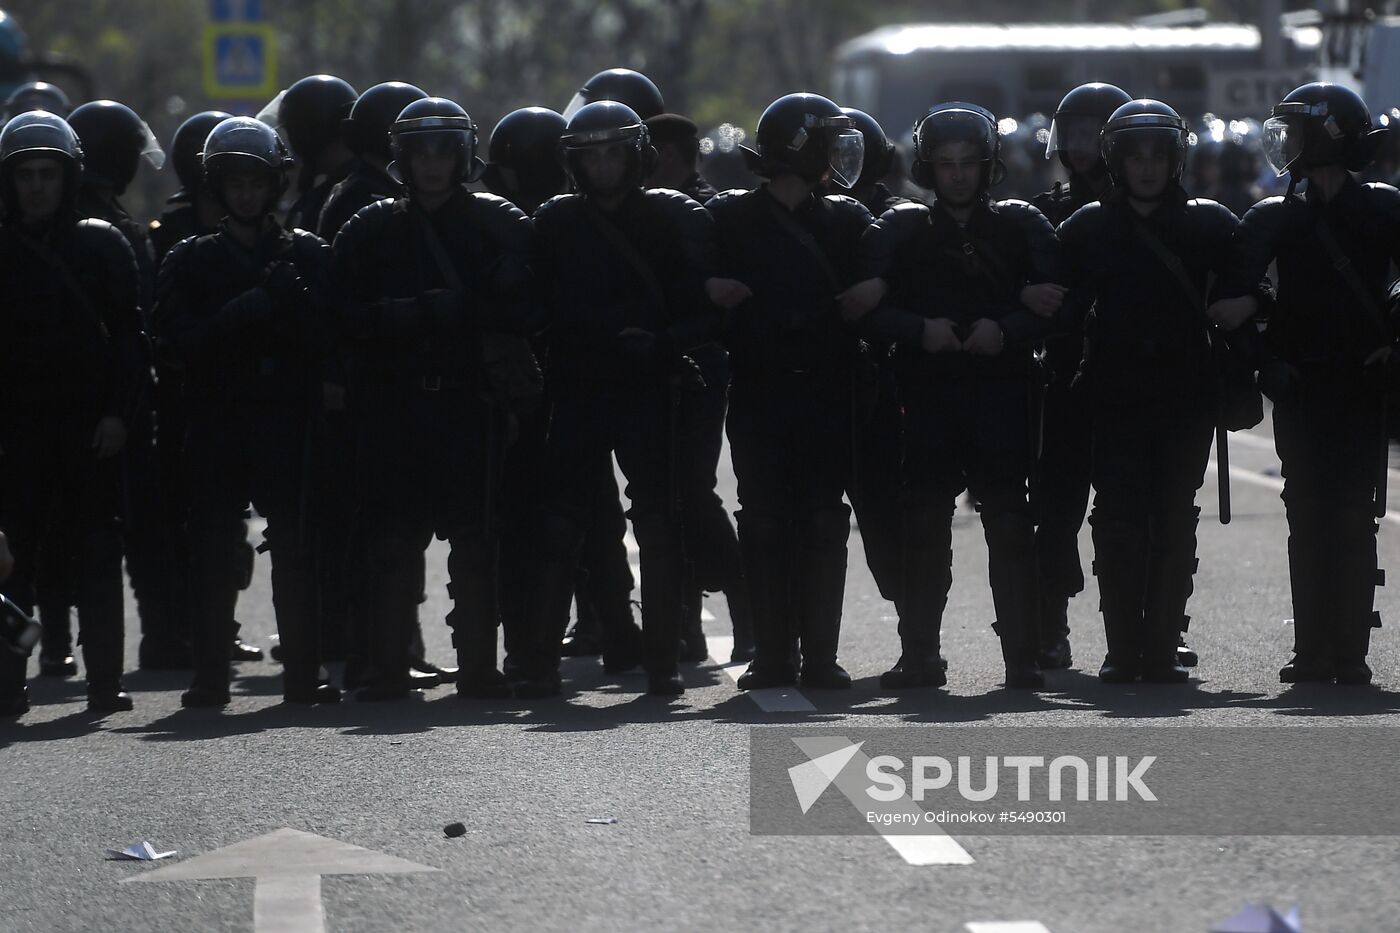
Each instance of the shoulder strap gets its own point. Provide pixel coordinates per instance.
(618, 240)
(437, 250)
(65, 275)
(1173, 263)
(800, 234)
(1342, 263)
(977, 249)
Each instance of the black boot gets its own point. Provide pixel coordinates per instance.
(297, 609)
(1053, 617)
(764, 543)
(56, 648)
(663, 599)
(1171, 564)
(471, 567)
(1120, 563)
(1308, 571)
(1011, 573)
(922, 598)
(694, 649)
(394, 590)
(821, 588)
(98, 595)
(14, 695)
(551, 593)
(1353, 585)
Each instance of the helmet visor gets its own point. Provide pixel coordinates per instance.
(150, 148)
(1282, 143)
(271, 114)
(434, 142)
(1073, 133)
(580, 100)
(846, 155)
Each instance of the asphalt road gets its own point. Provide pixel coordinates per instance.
(525, 778)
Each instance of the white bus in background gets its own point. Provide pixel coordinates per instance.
(1231, 69)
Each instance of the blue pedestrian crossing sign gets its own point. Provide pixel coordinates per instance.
(240, 60)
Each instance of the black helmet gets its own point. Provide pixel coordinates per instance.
(623, 85)
(38, 95)
(604, 123)
(526, 144)
(187, 144)
(879, 151)
(38, 134)
(439, 125)
(957, 121)
(244, 144)
(1321, 124)
(808, 135)
(1144, 121)
(1084, 109)
(366, 129)
(309, 113)
(114, 140)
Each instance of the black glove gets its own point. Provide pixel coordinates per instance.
(1280, 382)
(285, 284)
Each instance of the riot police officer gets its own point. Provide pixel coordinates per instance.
(309, 115)
(1062, 487)
(963, 380)
(1143, 258)
(524, 167)
(712, 546)
(785, 253)
(1332, 355)
(191, 211)
(38, 95)
(427, 276)
(875, 478)
(245, 312)
(630, 88)
(625, 269)
(74, 364)
(116, 141)
(366, 134)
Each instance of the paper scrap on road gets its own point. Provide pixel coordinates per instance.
(603, 820)
(1261, 918)
(137, 852)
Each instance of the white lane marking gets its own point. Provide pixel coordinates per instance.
(1003, 926)
(286, 866)
(771, 699)
(924, 848)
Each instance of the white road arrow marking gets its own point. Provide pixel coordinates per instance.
(286, 866)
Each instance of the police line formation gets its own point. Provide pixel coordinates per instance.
(434, 360)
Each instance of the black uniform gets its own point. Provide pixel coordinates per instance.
(73, 354)
(147, 532)
(792, 360)
(966, 418)
(613, 395)
(428, 439)
(875, 479)
(1327, 418)
(362, 184)
(254, 333)
(305, 213)
(1151, 377)
(1062, 488)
